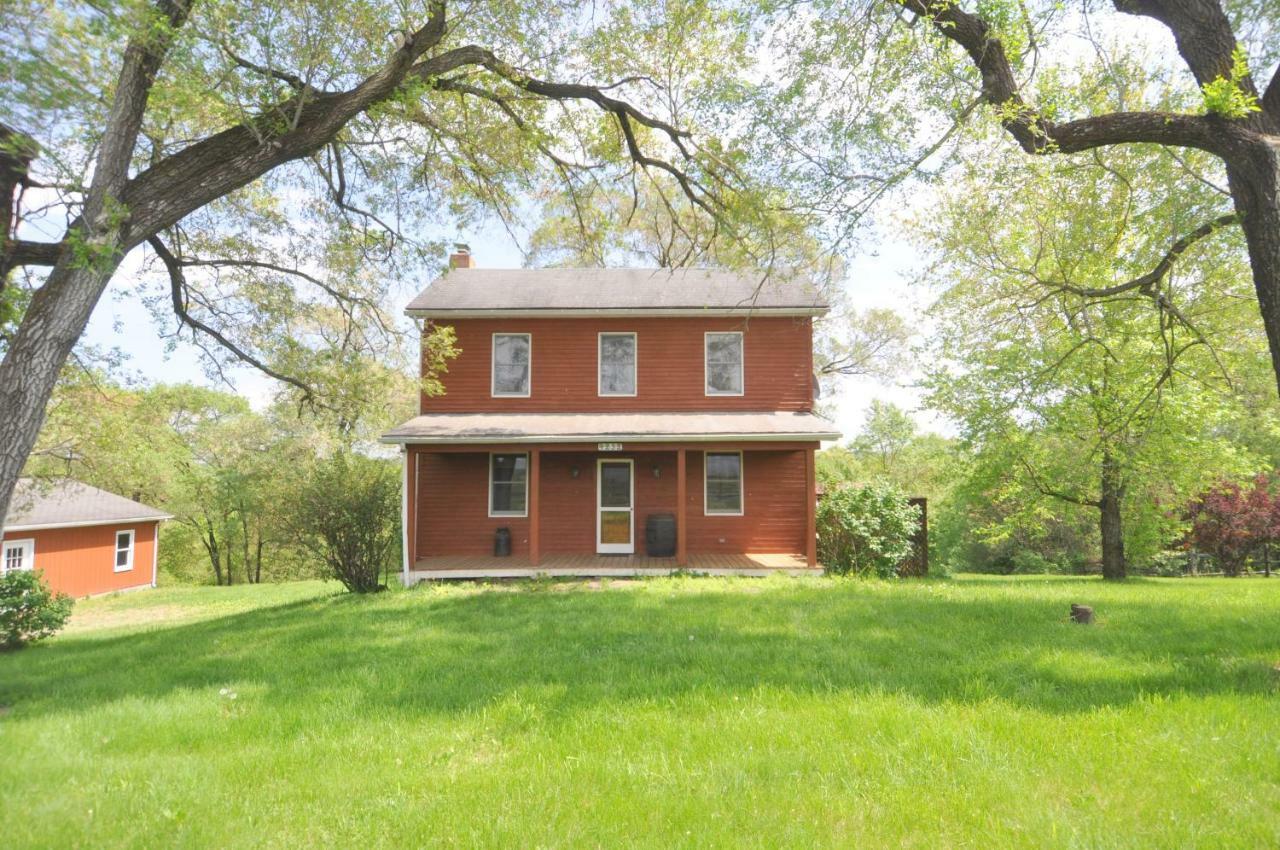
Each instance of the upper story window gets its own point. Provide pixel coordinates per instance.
(617, 364)
(124, 551)
(512, 361)
(724, 363)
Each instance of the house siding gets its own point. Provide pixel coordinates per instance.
(778, 366)
(453, 519)
(81, 561)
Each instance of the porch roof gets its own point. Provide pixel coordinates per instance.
(454, 428)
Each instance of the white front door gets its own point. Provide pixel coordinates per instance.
(615, 522)
(17, 555)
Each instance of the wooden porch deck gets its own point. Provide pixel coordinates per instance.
(488, 566)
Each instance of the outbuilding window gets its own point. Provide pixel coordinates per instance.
(124, 551)
(17, 555)
(512, 359)
(722, 483)
(617, 364)
(508, 484)
(724, 363)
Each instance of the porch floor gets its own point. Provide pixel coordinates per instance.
(489, 566)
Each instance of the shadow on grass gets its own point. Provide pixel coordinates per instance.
(416, 654)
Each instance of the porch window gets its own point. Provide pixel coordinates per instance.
(722, 483)
(124, 551)
(512, 357)
(508, 485)
(724, 363)
(617, 364)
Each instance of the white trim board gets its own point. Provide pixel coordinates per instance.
(86, 523)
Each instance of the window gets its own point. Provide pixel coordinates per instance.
(617, 364)
(724, 363)
(124, 551)
(512, 356)
(17, 555)
(722, 483)
(508, 484)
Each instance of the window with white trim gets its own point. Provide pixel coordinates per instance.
(512, 358)
(724, 363)
(508, 484)
(617, 367)
(17, 555)
(722, 483)
(124, 551)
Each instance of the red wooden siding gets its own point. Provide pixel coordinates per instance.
(453, 504)
(81, 561)
(778, 365)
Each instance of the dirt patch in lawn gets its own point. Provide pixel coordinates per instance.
(85, 619)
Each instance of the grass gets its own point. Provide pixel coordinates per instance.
(666, 713)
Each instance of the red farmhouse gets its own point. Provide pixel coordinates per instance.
(84, 541)
(614, 422)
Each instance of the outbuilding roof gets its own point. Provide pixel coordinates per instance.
(454, 428)
(67, 502)
(465, 292)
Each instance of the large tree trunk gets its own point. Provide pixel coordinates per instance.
(1110, 523)
(53, 322)
(1255, 189)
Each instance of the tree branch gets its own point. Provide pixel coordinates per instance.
(1037, 134)
(1271, 97)
(178, 294)
(1146, 283)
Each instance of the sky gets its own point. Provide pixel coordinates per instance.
(879, 278)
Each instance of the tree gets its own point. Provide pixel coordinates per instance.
(886, 431)
(349, 129)
(1085, 402)
(1233, 522)
(862, 80)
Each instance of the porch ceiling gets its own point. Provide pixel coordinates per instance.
(454, 428)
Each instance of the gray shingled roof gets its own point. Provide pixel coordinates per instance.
(37, 504)
(620, 427)
(550, 290)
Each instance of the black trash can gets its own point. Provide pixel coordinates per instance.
(502, 542)
(660, 535)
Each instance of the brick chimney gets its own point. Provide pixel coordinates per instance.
(461, 256)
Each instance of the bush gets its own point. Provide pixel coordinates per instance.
(347, 514)
(865, 530)
(29, 611)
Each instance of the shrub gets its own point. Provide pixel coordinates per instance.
(29, 611)
(865, 530)
(346, 513)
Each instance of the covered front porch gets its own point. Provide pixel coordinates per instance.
(621, 566)
(584, 508)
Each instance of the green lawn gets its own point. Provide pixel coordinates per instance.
(668, 713)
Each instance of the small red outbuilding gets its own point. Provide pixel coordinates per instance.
(84, 541)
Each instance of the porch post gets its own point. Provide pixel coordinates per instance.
(535, 533)
(810, 507)
(410, 542)
(682, 499)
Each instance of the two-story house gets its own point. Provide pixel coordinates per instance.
(614, 422)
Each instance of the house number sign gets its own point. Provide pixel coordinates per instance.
(610, 447)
